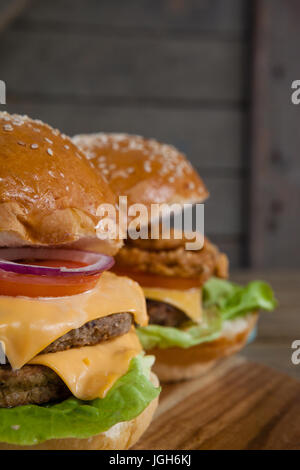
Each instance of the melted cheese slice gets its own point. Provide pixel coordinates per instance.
(189, 301)
(91, 371)
(27, 325)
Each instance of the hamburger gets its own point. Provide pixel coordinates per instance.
(73, 374)
(196, 316)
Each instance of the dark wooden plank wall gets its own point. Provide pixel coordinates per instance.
(10, 10)
(171, 69)
(275, 186)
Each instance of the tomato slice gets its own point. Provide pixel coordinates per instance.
(151, 280)
(27, 285)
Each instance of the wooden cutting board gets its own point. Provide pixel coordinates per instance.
(238, 405)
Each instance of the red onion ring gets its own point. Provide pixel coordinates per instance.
(95, 262)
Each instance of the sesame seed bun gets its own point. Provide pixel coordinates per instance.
(49, 193)
(144, 170)
(176, 364)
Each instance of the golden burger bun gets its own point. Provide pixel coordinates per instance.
(49, 193)
(176, 364)
(144, 170)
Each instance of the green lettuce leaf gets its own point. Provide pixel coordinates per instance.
(164, 337)
(234, 300)
(222, 300)
(130, 395)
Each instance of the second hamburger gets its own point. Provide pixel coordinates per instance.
(196, 315)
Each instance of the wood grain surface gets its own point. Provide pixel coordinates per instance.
(222, 16)
(238, 405)
(128, 67)
(10, 10)
(275, 189)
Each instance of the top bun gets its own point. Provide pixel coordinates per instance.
(49, 193)
(144, 170)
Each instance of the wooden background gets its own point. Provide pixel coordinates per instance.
(211, 77)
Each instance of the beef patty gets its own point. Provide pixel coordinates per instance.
(164, 314)
(35, 384)
(32, 384)
(93, 332)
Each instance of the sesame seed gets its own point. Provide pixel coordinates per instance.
(48, 140)
(8, 127)
(34, 146)
(66, 147)
(90, 155)
(50, 152)
(147, 166)
(21, 143)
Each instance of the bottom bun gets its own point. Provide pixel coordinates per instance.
(121, 436)
(175, 364)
